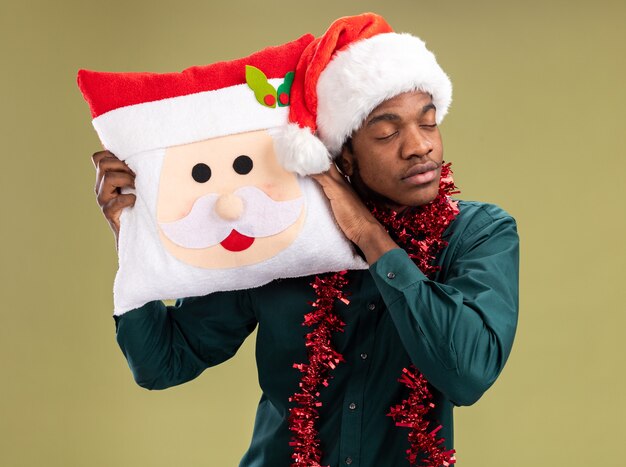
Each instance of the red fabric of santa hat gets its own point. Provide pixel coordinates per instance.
(356, 65)
(138, 112)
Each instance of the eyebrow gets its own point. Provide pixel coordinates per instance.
(389, 117)
(427, 107)
(383, 117)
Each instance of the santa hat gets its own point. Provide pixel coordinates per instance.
(346, 73)
(139, 112)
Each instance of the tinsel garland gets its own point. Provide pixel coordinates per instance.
(322, 359)
(411, 413)
(419, 232)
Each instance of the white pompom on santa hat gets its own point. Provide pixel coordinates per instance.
(345, 74)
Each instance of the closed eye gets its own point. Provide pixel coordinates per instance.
(387, 136)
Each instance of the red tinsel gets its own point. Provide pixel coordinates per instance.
(322, 359)
(411, 413)
(419, 232)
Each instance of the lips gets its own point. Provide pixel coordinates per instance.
(237, 242)
(420, 174)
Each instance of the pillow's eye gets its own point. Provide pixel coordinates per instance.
(201, 173)
(242, 165)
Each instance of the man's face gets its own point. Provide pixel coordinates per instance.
(227, 202)
(396, 156)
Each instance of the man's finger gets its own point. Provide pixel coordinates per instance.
(105, 161)
(98, 156)
(321, 178)
(113, 208)
(112, 163)
(126, 201)
(111, 184)
(335, 174)
(331, 180)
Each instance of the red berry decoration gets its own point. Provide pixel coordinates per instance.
(269, 100)
(284, 98)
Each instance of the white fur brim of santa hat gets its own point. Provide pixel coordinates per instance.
(185, 119)
(371, 71)
(355, 66)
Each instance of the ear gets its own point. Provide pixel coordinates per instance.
(346, 161)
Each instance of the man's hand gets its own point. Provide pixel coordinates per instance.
(353, 217)
(112, 175)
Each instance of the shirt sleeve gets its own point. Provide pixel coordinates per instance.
(170, 345)
(458, 333)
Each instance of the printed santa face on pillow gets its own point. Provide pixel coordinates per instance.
(223, 201)
(227, 202)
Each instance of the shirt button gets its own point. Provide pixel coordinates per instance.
(348, 460)
(371, 306)
(391, 275)
(363, 356)
(352, 406)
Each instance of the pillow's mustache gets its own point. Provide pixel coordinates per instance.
(261, 217)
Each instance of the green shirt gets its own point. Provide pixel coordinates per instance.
(458, 330)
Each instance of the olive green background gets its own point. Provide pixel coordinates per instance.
(537, 126)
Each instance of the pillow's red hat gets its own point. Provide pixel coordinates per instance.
(138, 112)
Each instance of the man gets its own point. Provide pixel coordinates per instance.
(439, 300)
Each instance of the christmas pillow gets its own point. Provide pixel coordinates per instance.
(223, 200)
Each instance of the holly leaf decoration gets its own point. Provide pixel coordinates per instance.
(285, 89)
(264, 92)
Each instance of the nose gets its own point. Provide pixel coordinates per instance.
(416, 143)
(229, 207)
